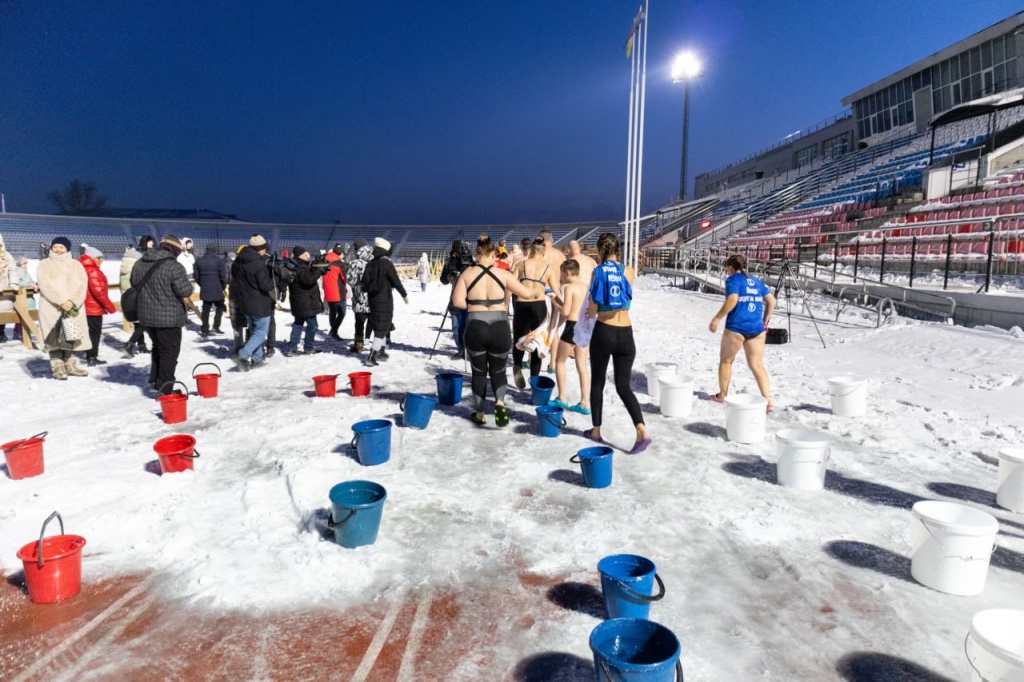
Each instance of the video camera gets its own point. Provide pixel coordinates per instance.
(462, 257)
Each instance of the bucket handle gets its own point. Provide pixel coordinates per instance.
(401, 404)
(185, 454)
(809, 461)
(204, 363)
(331, 523)
(575, 459)
(551, 419)
(644, 597)
(355, 441)
(39, 553)
(995, 545)
(17, 444)
(679, 669)
(175, 383)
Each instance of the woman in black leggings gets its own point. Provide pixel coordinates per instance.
(531, 308)
(611, 295)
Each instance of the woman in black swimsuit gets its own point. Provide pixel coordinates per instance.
(488, 338)
(531, 309)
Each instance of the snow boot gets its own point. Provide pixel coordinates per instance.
(58, 370)
(356, 347)
(372, 360)
(72, 368)
(382, 355)
(128, 351)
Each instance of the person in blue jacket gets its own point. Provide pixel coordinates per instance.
(748, 306)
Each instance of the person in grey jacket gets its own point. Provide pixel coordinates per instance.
(128, 260)
(211, 274)
(360, 299)
(161, 307)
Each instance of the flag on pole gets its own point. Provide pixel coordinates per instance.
(630, 39)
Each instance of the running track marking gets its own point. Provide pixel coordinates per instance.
(412, 647)
(85, 630)
(370, 657)
(86, 658)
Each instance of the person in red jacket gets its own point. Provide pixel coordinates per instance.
(97, 302)
(335, 292)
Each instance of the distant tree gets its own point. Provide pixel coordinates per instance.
(80, 198)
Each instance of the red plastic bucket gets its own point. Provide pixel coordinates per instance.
(360, 382)
(176, 453)
(174, 406)
(326, 385)
(206, 384)
(53, 565)
(24, 457)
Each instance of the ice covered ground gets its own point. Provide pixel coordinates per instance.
(763, 582)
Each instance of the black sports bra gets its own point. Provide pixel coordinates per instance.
(485, 301)
(530, 279)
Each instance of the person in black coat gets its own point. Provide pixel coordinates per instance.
(252, 288)
(379, 278)
(304, 296)
(211, 273)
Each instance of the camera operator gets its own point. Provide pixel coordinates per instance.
(304, 297)
(459, 259)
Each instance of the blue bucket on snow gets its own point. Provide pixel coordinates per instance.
(627, 585)
(372, 441)
(627, 649)
(596, 465)
(356, 508)
(550, 421)
(416, 409)
(541, 389)
(449, 388)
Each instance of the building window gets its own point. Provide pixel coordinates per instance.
(835, 146)
(806, 156)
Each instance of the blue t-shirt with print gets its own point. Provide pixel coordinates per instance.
(748, 315)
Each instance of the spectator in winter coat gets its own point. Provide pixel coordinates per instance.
(253, 287)
(211, 274)
(423, 271)
(379, 279)
(360, 301)
(238, 323)
(62, 286)
(161, 308)
(187, 258)
(304, 296)
(335, 291)
(459, 259)
(97, 302)
(128, 261)
(8, 284)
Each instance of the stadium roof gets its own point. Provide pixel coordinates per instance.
(161, 214)
(979, 107)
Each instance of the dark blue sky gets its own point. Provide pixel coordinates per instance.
(422, 112)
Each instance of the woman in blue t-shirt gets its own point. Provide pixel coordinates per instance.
(748, 307)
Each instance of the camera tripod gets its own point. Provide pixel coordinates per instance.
(787, 281)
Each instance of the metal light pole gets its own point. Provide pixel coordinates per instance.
(685, 68)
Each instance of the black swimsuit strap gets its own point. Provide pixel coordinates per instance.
(485, 271)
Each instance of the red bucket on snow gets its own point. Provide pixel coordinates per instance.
(326, 385)
(206, 384)
(176, 453)
(24, 457)
(53, 565)
(360, 382)
(174, 406)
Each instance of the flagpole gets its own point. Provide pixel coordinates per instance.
(629, 158)
(640, 154)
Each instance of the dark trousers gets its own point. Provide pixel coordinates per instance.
(95, 324)
(138, 335)
(218, 316)
(335, 315)
(166, 347)
(362, 327)
(615, 344)
(528, 316)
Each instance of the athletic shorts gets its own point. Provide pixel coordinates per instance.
(567, 332)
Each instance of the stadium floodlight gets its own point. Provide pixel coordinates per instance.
(685, 68)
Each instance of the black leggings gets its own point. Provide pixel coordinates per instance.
(528, 316)
(488, 342)
(615, 343)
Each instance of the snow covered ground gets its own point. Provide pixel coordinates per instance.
(763, 582)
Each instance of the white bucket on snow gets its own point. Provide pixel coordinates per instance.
(745, 418)
(654, 370)
(995, 646)
(803, 458)
(952, 546)
(676, 394)
(1010, 493)
(849, 396)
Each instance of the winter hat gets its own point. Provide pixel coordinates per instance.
(256, 241)
(359, 243)
(63, 241)
(382, 243)
(338, 250)
(172, 244)
(211, 248)
(298, 251)
(93, 252)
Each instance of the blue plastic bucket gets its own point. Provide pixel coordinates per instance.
(372, 441)
(416, 409)
(627, 585)
(596, 465)
(449, 388)
(550, 421)
(541, 389)
(356, 507)
(628, 649)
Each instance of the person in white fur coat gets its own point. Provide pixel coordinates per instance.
(62, 286)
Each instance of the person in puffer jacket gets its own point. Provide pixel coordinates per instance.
(360, 299)
(128, 260)
(97, 302)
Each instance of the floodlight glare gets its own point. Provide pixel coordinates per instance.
(686, 67)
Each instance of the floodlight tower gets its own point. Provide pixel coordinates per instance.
(685, 68)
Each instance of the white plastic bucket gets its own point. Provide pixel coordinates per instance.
(654, 370)
(952, 546)
(849, 396)
(676, 394)
(803, 458)
(995, 646)
(1010, 492)
(745, 418)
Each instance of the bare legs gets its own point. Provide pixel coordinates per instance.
(754, 350)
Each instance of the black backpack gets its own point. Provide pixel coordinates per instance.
(130, 298)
